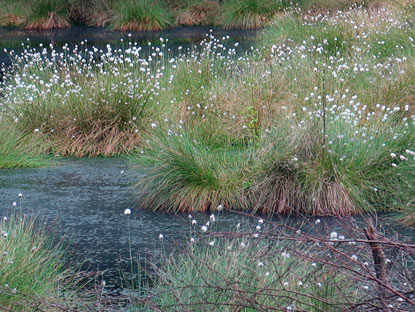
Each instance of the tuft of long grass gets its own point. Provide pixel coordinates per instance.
(32, 266)
(181, 174)
(104, 117)
(48, 14)
(12, 13)
(96, 13)
(250, 14)
(200, 13)
(139, 15)
(18, 150)
(344, 170)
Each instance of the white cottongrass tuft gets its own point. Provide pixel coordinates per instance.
(127, 212)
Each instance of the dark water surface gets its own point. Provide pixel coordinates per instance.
(12, 39)
(86, 199)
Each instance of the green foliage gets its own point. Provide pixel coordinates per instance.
(32, 266)
(250, 14)
(18, 150)
(48, 14)
(345, 170)
(104, 119)
(221, 274)
(182, 174)
(141, 15)
(250, 115)
(43, 8)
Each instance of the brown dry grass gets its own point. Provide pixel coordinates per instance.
(100, 140)
(280, 194)
(99, 19)
(93, 13)
(10, 19)
(409, 220)
(204, 13)
(52, 21)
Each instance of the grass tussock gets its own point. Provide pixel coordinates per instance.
(96, 13)
(106, 120)
(18, 150)
(250, 14)
(181, 174)
(141, 15)
(48, 14)
(338, 172)
(203, 13)
(32, 266)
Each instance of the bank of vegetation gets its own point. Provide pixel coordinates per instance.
(271, 267)
(34, 267)
(139, 15)
(318, 119)
(254, 266)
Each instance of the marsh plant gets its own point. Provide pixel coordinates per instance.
(266, 266)
(199, 13)
(251, 14)
(104, 121)
(33, 265)
(141, 15)
(182, 174)
(18, 150)
(48, 14)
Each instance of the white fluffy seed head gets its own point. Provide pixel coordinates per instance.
(127, 212)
